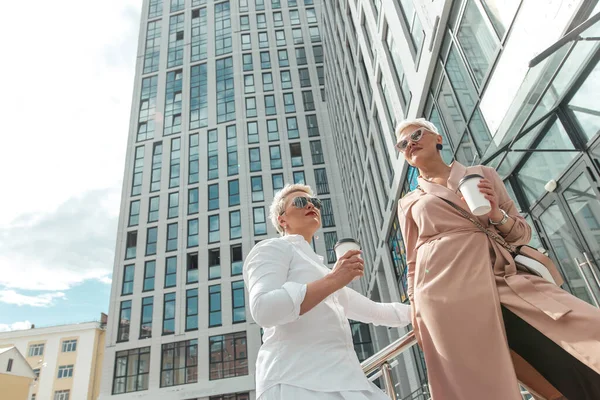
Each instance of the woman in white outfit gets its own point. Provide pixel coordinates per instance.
(304, 307)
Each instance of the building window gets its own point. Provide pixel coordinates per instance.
(175, 161)
(69, 346)
(394, 51)
(213, 197)
(312, 125)
(124, 321)
(277, 19)
(179, 363)
(191, 310)
(252, 127)
(192, 268)
(250, 107)
(275, 4)
(321, 179)
(127, 287)
(318, 53)
(146, 317)
(298, 177)
(304, 77)
(169, 314)
(261, 21)
(282, 55)
(214, 305)
(177, 5)
(151, 238)
(213, 154)
(257, 189)
(267, 79)
(36, 350)
(286, 80)
(131, 370)
(270, 108)
(65, 371)
(387, 100)
(255, 164)
(265, 60)
(260, 221)
(247, 62)
(61, 395)
(173, 98)
(9, 365)
(234, 193)
(294, 17)
(300, 56)
(213, 229)
(232, 155)
(228, 356)
(275, 154)
(131, 245)
(235, 225)
(176, 41)
(173, 205)
(171, 272)
(138, 170)
(297, 36)
(249, 84)
(296, 154)
(260, 5)
(153, 209)
(194, 156)
(246, 42)
(36, 372)
(192, 238)
(244, 23)
(199, 97)
(311, 16)
(172, 234)
(327, 213)
(237, 262)
(149, 275)
(155, 8)
(330, 241)
(239, 302)
(272, 130)
(413, 24)
(222, 28)
(321, 75)
(156, 167)
(214, 264)
(193, 201)
(317, 152)
(263, 40)
(315, 35)
(145, 129)
(199, 45)
(308, 100)
(225, 90)
(288, 101)
(280, 38)
(277, 183)
(134, 213)
(363, 346)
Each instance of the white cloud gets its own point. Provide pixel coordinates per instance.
(40, 300)
(17, 326)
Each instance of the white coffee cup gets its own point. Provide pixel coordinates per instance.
(344, 245)
(476, 200)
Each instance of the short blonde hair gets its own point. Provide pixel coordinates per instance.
(422, 122)
(278, 205)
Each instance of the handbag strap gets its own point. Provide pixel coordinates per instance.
(492, 235)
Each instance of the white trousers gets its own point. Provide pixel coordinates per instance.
(287, 392)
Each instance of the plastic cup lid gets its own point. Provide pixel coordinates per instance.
(466, 178)
(346, 240)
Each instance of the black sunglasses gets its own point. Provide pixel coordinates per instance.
(301, 202)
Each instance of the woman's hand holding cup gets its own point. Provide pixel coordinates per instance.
(347, 268)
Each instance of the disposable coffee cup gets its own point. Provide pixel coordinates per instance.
(476, 200)
(343, 245)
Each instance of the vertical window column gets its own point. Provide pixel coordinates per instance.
(145, 129)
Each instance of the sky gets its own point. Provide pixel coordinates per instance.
(66, 81)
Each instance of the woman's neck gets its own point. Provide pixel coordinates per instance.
(437, 172)
(306, 235)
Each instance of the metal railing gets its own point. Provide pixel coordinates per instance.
(381, 363)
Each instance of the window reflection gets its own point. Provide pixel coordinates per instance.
(584, 105)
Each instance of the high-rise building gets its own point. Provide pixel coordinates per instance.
(66, 359)
(509, 84)
(228, 106)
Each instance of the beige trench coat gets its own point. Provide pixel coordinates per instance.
(456, 296)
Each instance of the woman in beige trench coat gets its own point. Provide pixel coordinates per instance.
(475, 317)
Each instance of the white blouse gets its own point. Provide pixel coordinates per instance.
(313, 351)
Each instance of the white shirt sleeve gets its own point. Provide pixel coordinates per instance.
(360, 308)
(273, 300)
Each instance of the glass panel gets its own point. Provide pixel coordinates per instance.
(461, 82)
(501, 13)
(450, 112)
(565, 248)
(584, 105)
(585, 206)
